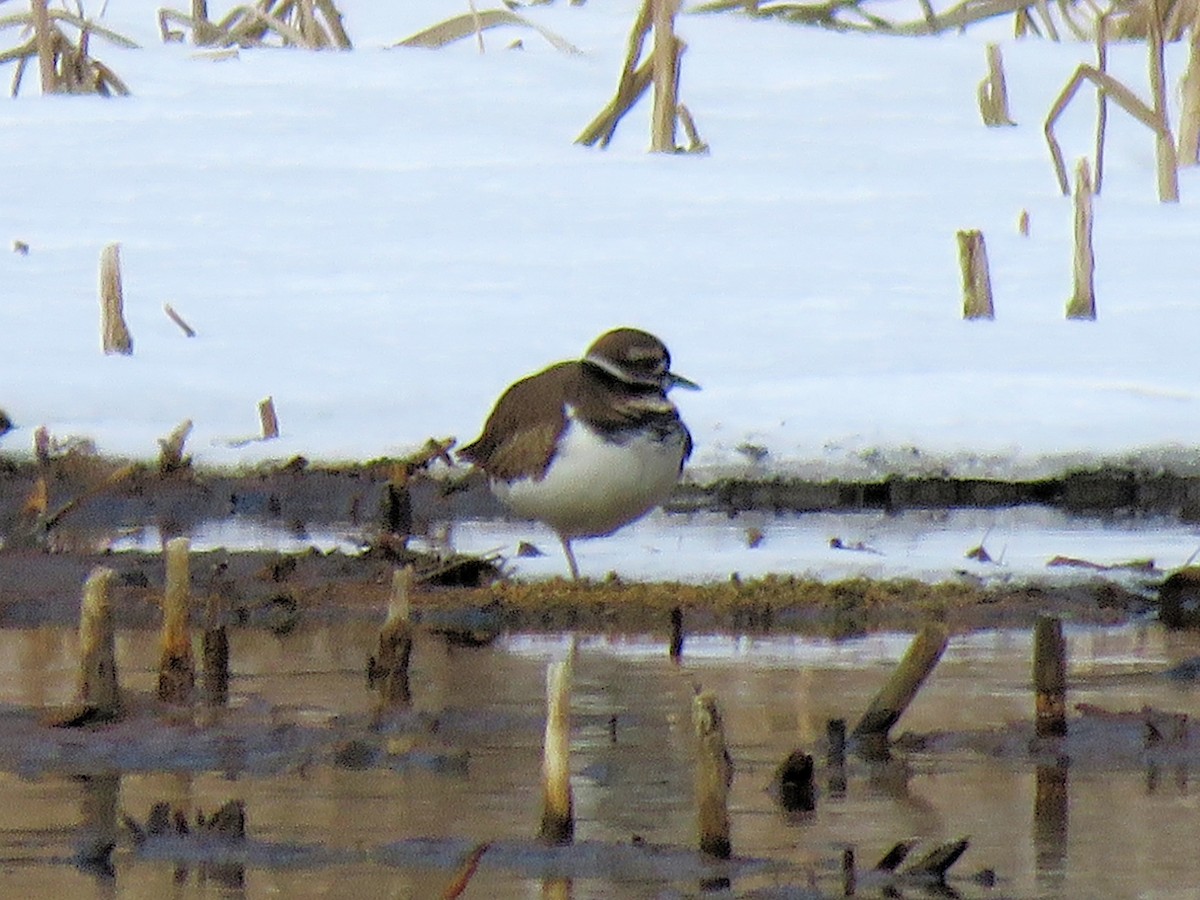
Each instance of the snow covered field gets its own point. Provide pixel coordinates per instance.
(383, 239)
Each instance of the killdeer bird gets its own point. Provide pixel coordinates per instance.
(589, 445)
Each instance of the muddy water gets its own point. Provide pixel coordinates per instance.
(1110, 822)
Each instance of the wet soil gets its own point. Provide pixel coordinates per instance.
(303, 739)
(333, 788)
(50, 510)
(283, 591)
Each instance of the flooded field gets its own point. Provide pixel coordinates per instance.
(930, 544)
(340, 803)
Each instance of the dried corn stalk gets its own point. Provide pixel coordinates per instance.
(65, 66)
(660, 68)
(309, 24)
(976, 279)
(993, 91)
(114, 333)
(1189, 117)
(1044, 18)
(1153, 116)
(1082, 304)
(477, 21)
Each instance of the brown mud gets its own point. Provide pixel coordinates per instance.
(283, 591)
(53, 512)
(298, 490)
(319, 725)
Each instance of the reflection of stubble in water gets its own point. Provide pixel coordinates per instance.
(463, 764)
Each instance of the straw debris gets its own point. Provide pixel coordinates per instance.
(558, 809)
(1188, 151)
(475, 23)
(901, 688)
(1153, 115)
(466, 870)
(1076, 19)
(993, 91)
(99, 691)
(387, 670)
(713, 777)
(176, 672)
(1082, 304)
(308, 24)
(170, 454)
(268, 419)
(660, 67)
(976, 279)
(65, 65)
(114, 333)
(178, 320)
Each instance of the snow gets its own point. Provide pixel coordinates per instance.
(928, 545)
(383, 239)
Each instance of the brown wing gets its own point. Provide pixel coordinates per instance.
(519, 437)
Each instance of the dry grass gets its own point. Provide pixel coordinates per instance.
(1153, 114)
(475, 23)
(660, 66)
(1077, 19)
(308, 24)
(66, 65)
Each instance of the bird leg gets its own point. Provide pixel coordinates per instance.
(566, 545)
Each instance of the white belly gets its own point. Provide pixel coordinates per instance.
(593, 487)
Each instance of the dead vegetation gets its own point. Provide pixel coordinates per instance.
(1082, 304)
(227, 823)
(59, 42)
(976, 278)
(474, 23)
(658, 67)
(308, 24)
(1152, 114)
(1075, 19)
(114, 332)
(993, 91)
(1160, 21)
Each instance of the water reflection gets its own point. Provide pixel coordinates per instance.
(1051, 812)
(465, 765)
(928, 543)
(98, 831)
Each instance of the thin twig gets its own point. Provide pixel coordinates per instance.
(178, 320)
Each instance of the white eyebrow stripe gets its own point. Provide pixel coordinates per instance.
(607, 366)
